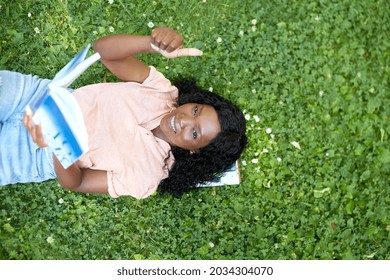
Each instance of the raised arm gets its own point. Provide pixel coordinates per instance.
(118, 51)
(118, 55)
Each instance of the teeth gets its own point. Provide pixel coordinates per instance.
(173, 124)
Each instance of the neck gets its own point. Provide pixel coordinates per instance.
(157, 132)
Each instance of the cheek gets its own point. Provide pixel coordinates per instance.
(185, 141)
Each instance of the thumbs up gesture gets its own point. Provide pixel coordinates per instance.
(169, 43)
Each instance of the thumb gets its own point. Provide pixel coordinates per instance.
(179, 52)
(186, 52)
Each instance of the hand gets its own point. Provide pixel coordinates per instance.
(169, 43)
(35, 130)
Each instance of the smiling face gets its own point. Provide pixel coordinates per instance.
(191, 126)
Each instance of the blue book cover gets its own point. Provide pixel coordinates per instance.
(59, 113)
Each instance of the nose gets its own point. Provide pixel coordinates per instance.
(185, 120)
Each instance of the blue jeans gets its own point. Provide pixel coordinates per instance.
(21, 161)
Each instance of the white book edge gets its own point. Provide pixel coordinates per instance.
(229, 177)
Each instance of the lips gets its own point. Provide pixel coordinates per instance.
(172, 123)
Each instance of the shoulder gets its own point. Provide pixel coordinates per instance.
(158, 80)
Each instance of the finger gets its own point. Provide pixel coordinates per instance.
(186, 52)
(25, 119)
(160, 41)
(175, 44)
(27, 113)
(153, 37)
(171, 42)
(40, 139)
(166, 39)
(154, 47)
(29, 124)
(31, 129)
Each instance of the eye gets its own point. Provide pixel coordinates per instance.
(196, 110)
(194, 134)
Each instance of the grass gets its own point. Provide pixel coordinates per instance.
(313, 80)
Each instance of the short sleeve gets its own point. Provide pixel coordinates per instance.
(136, 189)
(156, 80)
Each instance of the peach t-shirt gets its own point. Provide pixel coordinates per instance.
(119, 118)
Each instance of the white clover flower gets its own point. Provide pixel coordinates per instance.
(321, 93)
(204, 1)
(219, 40)
(243, 162)
(60, 201)
(265, 150)
(296, 144)
(29, 14)
(50, 239)
(372, 90)
(110, 1)
(254, 21)
(254, 28)
(254, 90)
(247, 117)
(268, 130)
(111, 29)
(211, 89)
(255, 160)
(257, 119)
(150, 24)
(211, 244)
(326, 154)
(317, 18)
(36, 29)
(200, 200)
(95, 32)
(279, 159)
(241, 33)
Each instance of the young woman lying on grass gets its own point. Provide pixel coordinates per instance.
(142, 133)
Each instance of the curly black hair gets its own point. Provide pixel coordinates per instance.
(191, 169)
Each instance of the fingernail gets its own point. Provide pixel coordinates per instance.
(155, 47)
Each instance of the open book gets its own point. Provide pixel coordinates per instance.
(59, 113)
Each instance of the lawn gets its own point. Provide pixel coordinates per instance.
(312, 78)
